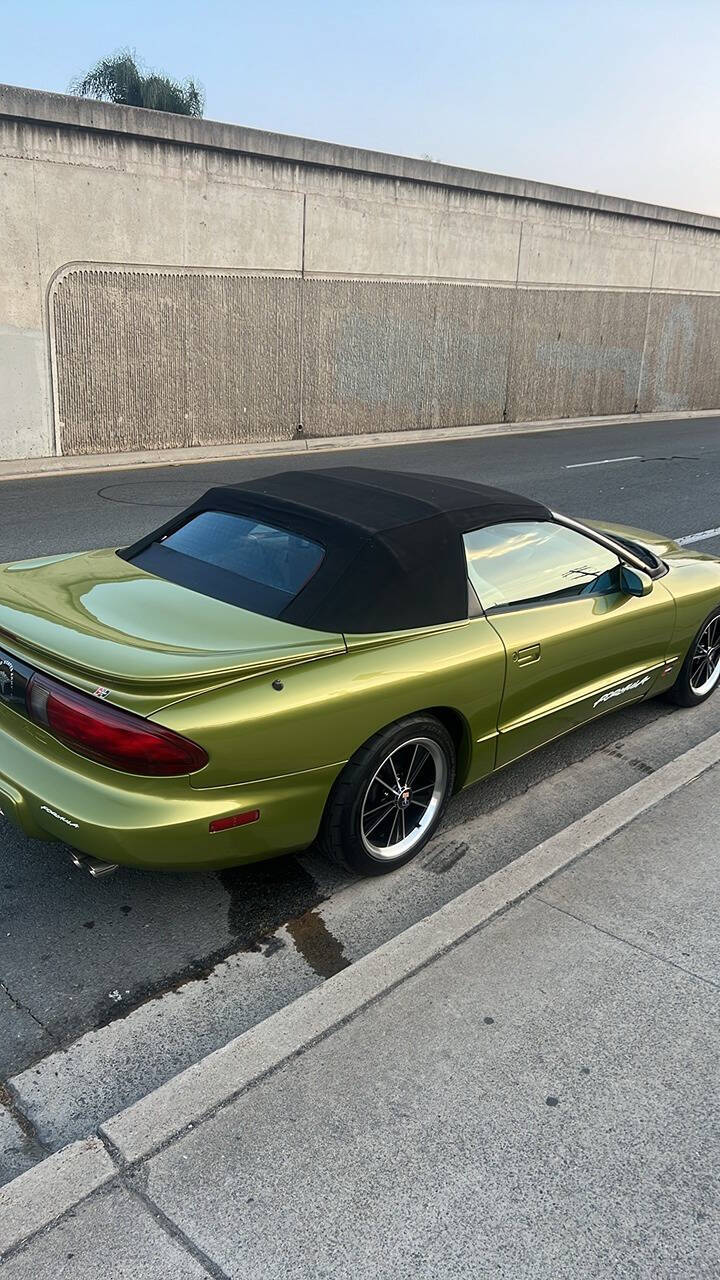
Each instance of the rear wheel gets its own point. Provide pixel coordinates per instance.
(390, 797)
(700, 672)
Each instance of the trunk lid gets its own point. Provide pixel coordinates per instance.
(93, 619)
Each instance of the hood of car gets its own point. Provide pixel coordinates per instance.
(101, 619)
(656, 542)
(662, 546)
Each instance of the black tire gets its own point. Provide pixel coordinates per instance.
(683, 691)
(347, 825)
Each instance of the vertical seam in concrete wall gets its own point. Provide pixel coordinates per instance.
(647, 326)
(52, 408)
(511, 343)
(56, 443)
(301, 320)
(432, 401)
(185, 220)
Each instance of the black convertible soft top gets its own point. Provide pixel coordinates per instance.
(394, 556)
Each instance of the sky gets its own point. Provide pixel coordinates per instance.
(615, 97)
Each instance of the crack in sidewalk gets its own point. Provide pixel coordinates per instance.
(635, 946)
(135, 1183)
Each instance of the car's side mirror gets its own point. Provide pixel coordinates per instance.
(635, 582)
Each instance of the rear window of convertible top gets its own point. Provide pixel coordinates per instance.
(236, 559)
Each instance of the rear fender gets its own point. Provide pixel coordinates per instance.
(318, 714)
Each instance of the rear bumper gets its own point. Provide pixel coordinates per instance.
(51, 793)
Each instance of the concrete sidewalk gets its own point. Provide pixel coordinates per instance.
(74, 464)
(540, 1099)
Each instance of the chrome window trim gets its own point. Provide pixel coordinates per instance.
(623, 553)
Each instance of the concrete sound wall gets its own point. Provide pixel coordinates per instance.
(168, 282)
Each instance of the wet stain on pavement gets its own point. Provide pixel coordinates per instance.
(30, 1140)
(263, 896)
(267, 946)
(642, 766)
(317, 945)
(446, 857)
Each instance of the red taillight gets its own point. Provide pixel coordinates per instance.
(112, 737)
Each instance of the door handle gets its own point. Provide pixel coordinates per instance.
(523, 657)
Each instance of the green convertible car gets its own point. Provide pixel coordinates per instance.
(325, 655)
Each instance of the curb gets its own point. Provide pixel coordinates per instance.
(32, 468)
(45, 1193)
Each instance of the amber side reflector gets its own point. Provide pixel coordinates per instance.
(236, 820)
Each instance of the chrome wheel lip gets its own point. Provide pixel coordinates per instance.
(398, 848)
(705, 661)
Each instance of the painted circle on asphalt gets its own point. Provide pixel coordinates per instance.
(156, 493)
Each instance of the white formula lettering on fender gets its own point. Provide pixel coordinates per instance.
(53, 814)
(617, 693)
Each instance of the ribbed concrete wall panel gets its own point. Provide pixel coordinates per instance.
(148, 360)
(575, 353)
(681, 369)
(388, 356)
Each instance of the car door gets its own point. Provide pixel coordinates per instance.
(577, 643)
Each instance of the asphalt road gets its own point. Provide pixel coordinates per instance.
(108, 987)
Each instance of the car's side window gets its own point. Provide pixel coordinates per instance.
(532, 562)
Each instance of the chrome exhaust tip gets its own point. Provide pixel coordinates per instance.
(93, 866)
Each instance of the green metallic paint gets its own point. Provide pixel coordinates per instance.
(583, 645)
(329, 707)
(51, 793)
(207, 670)
(148, 640)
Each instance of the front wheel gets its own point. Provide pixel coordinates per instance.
(390, 797)
(700, 672)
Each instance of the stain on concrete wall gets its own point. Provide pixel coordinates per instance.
(387, 356)
(575, 353)
(154, 359)
(681, 369)
(23, 394)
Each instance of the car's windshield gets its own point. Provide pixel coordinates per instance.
(235, 558)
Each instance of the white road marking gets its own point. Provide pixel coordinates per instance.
(699, 537)
(601, 462)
